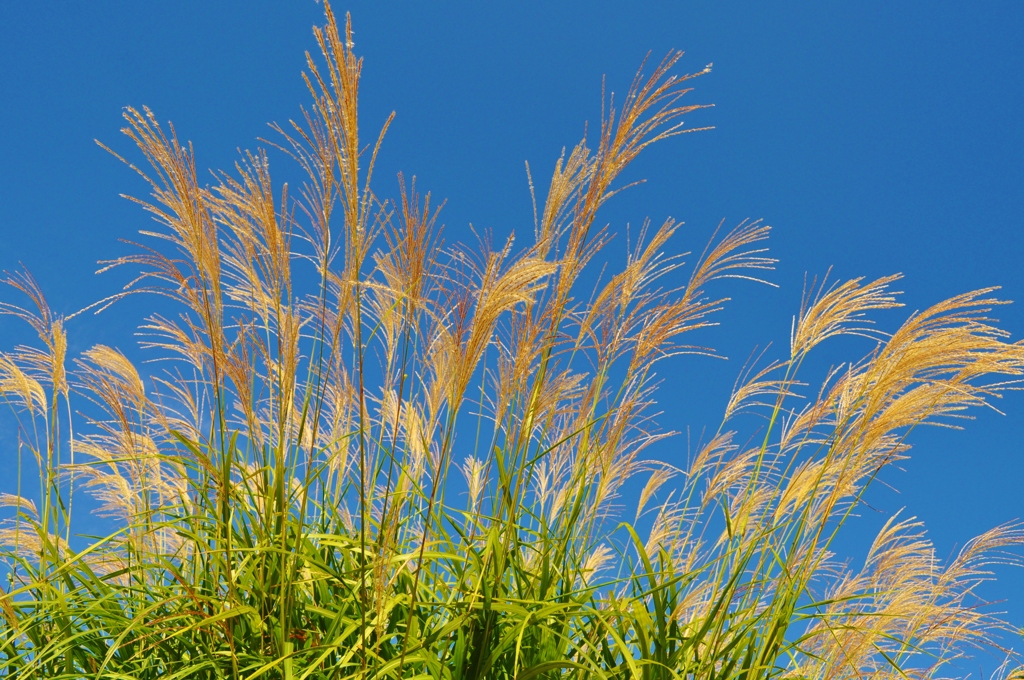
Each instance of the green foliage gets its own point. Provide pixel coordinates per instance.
(403, 460)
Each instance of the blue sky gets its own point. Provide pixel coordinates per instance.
(874, 137)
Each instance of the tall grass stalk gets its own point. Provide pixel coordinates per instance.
(373, 454)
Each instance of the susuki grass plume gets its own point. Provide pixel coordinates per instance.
(370, 452)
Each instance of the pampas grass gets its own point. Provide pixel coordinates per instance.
(372, 453)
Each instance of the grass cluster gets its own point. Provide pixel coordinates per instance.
(372, 454)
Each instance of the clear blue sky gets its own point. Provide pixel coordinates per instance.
(875, 137)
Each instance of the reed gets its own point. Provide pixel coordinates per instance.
(373, 454)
